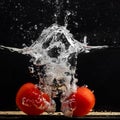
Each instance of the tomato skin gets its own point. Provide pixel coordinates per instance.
(79, 103)
(29, 99)
(85, 101)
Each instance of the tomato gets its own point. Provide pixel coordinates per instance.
(31, 100)
(79, 103)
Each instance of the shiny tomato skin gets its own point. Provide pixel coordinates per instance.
(85, 101)
(29, 99)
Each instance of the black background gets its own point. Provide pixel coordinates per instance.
(21, 21)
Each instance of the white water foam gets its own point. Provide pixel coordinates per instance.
(54, 54)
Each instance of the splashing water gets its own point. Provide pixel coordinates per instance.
(54, 54)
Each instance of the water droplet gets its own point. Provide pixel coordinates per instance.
(35, 27)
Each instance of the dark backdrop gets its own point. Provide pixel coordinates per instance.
(21, 21)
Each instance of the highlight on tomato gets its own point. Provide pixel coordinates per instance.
(31, 100)
(79, 103)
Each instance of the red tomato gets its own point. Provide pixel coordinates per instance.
(31, 100)
(85, 101)
(79, 103)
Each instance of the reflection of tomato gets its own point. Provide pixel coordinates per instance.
(80, 102)
(31, 100)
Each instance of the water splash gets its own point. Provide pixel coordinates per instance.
(54, 55)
